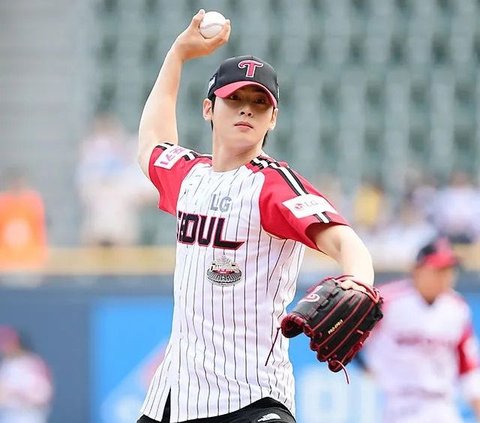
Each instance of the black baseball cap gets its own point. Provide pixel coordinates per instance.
(239, 71)
(438, 254)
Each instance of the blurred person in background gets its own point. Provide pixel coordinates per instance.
(457, 209)
(26, 388)
(397, 241)
(425, 345)
(23, 240)
(112, 189)
(370, 207)
(422, 191)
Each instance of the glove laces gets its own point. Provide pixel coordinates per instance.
(343, 368)
(330, 361)
(271, 349)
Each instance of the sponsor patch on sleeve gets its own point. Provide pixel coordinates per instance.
(309, 205)
(170, 156)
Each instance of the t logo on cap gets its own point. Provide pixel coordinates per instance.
(251, 66)
(240, 71)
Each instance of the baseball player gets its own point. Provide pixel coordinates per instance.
(26, 387)
(425, 343)
(243, 221)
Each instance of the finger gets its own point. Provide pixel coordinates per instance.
(349, 284)
(228, 29)
(222, 37)
(197, 18)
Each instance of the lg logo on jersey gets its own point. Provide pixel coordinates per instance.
(222, 204)
(170, 156)
(309, 205)
(201, 230)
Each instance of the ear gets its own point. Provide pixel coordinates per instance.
(207, 109)
(273, 121)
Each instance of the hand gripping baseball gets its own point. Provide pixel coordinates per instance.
(191, 44)
(336, 320)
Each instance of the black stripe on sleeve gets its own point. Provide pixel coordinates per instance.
(165, 145)
(291, 179)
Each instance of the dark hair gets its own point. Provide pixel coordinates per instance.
(212, 99)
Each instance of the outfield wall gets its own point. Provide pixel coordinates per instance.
(103, 337)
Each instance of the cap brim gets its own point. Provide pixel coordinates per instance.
(229, 89)
(440, 261)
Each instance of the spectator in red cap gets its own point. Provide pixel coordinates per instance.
(25, 383)
(425, 343)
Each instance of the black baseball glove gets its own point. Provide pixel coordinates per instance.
(336, 320)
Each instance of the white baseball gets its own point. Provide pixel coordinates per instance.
(212, 24)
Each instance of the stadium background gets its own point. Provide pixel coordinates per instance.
(377, 89)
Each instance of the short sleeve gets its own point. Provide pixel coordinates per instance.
(169, 165)
(469, 363)
(468, 351)
(289, 205)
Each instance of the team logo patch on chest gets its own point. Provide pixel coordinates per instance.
(224, 272)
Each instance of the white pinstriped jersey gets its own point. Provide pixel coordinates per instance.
(240, 242)
(418, 353)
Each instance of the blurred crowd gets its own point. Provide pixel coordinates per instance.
(111, 187)
(113, 193)
(117, 203)
(23, 239)
(397, 227)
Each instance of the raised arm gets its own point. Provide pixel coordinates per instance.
(158, 122)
